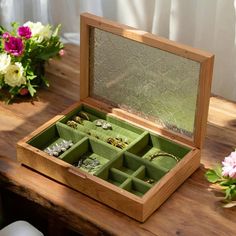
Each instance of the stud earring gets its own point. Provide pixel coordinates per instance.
(104, 124)
(72, 124)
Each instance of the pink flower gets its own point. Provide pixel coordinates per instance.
(14, 46)
(24, 32)
(229, 165)
(6, 35)
(62, 52)
(24, 91)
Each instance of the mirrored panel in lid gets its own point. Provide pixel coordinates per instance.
(154, 84)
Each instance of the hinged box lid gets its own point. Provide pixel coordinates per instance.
(155, 79)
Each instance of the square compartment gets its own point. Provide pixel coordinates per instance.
(135, 186)
(88, 149)
(126, 163)
(151, 144)
(113, 176)
(55, 134)
(149, 173)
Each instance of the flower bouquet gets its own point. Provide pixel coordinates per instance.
(23, 53)
(223, 178)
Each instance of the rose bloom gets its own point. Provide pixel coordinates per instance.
(14, 46)
(24, 31)
(5, 61)
(229, 166)
(15, 75)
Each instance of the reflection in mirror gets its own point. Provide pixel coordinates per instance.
(146, 81)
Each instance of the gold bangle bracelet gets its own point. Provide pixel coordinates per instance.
(153, 156)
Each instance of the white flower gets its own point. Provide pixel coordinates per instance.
(5, 61)
(15, 75)
(39, 31)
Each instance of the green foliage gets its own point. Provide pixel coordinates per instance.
(211, 176)
(227, 184)
(2, 30)
(15, 26)
(31, 89)
(214, 175)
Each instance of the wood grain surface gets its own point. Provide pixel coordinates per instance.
(192, 210)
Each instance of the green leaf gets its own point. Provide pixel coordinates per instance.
(15, 26)
(31, 89)
(46, 82)
(2, 30)
(31, 77)
(56, 31)
(14, 90)
(228, 193)
(228, 182)
(212, 176)
(218, 171)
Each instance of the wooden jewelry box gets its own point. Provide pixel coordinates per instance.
(137, 132)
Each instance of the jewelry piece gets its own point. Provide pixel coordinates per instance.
(49, 151)
(155, 155)
(150, 181)
(117, 142)
(56, 154)
(66, 144)
(98, 123)
(72, 124)
(77, 119)
(88, 163)
(104, 124)
(84, 115)
(58, 148)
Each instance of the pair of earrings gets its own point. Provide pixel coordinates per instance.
(117, 142)
(77, 119)
(103, 124)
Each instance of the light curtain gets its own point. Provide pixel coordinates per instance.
(205, 24)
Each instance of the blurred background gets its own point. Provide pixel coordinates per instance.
(208, 25)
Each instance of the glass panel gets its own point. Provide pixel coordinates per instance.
(146, 81)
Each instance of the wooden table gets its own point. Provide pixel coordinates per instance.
(192, 210)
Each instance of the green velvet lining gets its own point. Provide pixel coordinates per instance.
(129, 168)
(134, 171)
(135, 186)
(120, 129)
(151, 144)
(45, 138)
(55, 134)
(93, 114)
(88, 148)
(115, 177)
